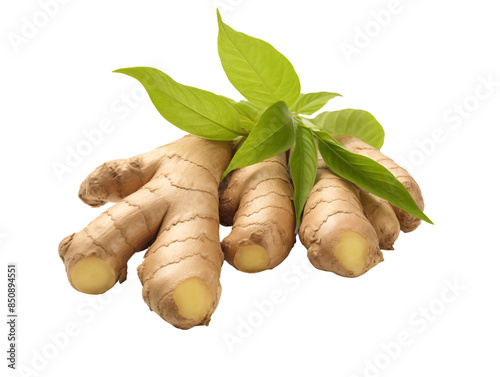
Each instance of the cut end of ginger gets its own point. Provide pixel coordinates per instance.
(193, 299)
(251, 258)
(92, 275)
(352, 251)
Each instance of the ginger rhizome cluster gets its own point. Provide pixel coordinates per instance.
(169, 201)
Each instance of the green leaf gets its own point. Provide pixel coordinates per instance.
(256, 69)
(367, 174)
(249, 113)
(309, 103)
(252, 110)
(193, 110)
(273, 134)
(303, 166)
(358, 123)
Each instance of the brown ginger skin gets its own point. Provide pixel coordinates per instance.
(338, 236)
(382, 217)
(408, 222)
(170, 193)
(257, 201)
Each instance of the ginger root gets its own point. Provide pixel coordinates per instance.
(338, 236)
(171, 200)
(257, 201)
(170, 193)
(344, 227)
(382, 217)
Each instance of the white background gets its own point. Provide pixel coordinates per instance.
(425, 60)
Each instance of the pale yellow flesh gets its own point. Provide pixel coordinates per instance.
(193, 299)
(351, 251)
(92, 275)
(251, 258)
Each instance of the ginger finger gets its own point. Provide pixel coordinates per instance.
(117, 179)
(180, 272)
(338, 236)
(96, 257)
(382, 217)
(257, 202)
(408, 222)
(184, 187)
